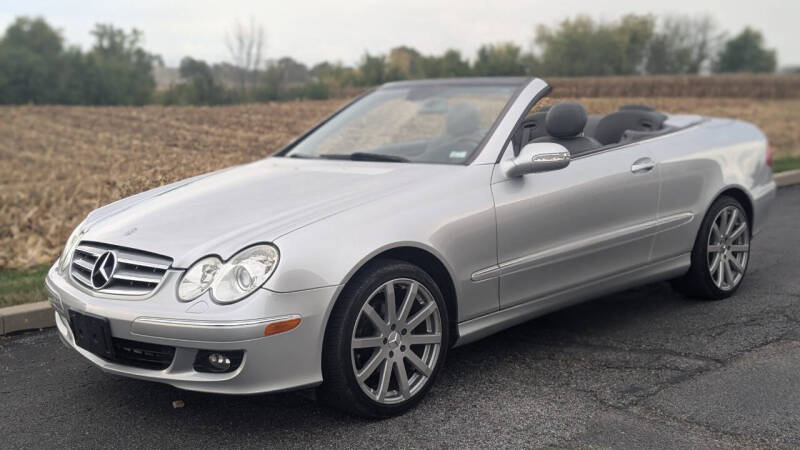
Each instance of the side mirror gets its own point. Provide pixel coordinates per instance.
(537, 157)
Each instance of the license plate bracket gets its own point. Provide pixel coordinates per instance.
(92, 333)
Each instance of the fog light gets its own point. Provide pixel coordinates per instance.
(219, 362)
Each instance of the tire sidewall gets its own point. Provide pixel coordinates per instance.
(699, 253)
(352, 300)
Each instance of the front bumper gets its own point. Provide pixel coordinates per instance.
(279, 362)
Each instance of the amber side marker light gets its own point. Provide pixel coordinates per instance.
(281, 327)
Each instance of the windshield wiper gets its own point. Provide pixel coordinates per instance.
(366, 156)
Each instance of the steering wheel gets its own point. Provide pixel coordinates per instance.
(442, 151)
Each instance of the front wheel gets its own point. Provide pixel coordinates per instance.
(721, 252)
(385, 342)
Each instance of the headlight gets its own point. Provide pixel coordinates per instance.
(230, 281)
(198, 278)
(72, 242)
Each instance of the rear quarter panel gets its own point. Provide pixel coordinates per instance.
(700, 162)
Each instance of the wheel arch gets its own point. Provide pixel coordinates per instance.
(741, 195)
(428, 261)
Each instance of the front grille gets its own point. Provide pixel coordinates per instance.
(137, 273)
(142, 354)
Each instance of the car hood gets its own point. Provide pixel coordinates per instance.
(225, 211)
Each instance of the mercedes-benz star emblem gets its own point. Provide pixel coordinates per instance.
(103, 270)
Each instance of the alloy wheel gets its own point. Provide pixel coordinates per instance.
(728, 248)
(396, 341)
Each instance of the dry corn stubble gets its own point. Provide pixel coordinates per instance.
(58, 163)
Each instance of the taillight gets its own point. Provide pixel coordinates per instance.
(769, 155)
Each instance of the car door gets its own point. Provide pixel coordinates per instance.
(558, 230)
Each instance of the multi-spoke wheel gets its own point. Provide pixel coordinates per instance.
(395, 345)
(385, 341)
(720, 254)
(728, 248)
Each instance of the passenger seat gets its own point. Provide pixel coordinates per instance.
(611, 127)
(564, 123)
(532, 127)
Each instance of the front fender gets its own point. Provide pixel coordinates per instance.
(451, 218)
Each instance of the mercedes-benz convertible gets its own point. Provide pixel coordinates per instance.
(421, 216)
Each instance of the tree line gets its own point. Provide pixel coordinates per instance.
(36, 66)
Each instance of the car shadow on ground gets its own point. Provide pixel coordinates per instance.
(468, 367)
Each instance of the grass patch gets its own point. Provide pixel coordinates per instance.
(784, 164)
(18, 286)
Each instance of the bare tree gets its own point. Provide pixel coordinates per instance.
(246, 45)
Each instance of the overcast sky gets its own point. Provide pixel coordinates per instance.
(313, 31)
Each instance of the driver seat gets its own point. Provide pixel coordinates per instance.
(564, 124)
(460, 137)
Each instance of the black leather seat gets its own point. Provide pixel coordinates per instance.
(461, 136)
(532, 127)
(564, 124)
(612, 126)
(463, 119)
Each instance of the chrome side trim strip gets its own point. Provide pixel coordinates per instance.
(584, 246)
(675, 221)
(580, 247)
(480, 327)
(591, 244)
(213, 323)
(487, 273)
(205, 330)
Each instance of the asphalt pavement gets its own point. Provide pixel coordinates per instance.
(643, 368)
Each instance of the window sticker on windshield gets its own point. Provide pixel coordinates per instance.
(458, 154)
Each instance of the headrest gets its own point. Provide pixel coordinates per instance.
(611, 127)
(565, 120)
(462, 119)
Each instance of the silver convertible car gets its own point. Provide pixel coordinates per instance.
(421, 216)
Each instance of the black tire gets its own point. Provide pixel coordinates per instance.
(340, 388)
(698, 282)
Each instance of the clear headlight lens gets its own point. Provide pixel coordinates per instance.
(198, 278)
(229, 281)
(69, 248)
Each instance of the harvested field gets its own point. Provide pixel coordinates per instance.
(765, 86)
(59, 163)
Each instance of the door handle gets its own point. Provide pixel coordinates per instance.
(643, 165)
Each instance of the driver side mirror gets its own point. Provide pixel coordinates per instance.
(537, 157)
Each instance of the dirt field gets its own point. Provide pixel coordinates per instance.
(59, 163)
(765, 86)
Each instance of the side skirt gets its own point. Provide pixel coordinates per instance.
(480, 327)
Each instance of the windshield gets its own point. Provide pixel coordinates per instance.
(432, 124)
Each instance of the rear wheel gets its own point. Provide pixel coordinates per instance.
(385, 342)
(721, 252)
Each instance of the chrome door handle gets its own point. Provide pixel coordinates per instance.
(643, 165)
